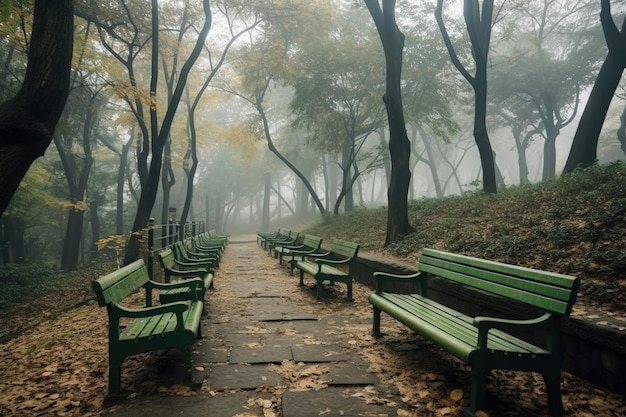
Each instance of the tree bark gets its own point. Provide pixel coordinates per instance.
(478, 26)
(265, 217)
(584, 151)
(28, 120)
(392, 40)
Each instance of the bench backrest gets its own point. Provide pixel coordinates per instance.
(166, 258)
(344, 248)
(546, 290)
(311, 241)
(114, 287)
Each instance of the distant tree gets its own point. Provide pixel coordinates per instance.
(584, 149)
(337, 98)
(28, 120)
(216, 61)
(478, 24)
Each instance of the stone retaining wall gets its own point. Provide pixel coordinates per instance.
(594, 346)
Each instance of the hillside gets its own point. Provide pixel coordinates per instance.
(572, 225)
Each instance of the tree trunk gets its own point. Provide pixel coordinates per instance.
(149, 192)
(478, 26)
(431, 163)
(584, 151)
(621, 131)
(549, 154)
(28, 120)
(121, 173)
(392, 40)
(265, 217)
(72, 240)
(13, 240)
(94, 220)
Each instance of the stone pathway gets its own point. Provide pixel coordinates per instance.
(271, 349)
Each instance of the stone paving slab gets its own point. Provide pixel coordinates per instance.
(344, 402)
(245, 377)
(350, 374)
(318, 353)
(219, 405)
(264, 354)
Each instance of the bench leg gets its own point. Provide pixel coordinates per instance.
(479, 380)
(349, 284)
(115, 374)
(376, 323)
(553, 389)
(301, 283)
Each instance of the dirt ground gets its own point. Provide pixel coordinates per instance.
(57, 366)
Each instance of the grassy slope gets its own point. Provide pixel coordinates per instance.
(574, 225)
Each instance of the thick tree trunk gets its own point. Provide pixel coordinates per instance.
(28, 120)
(481, 136)
(392, 39)
(584, 151)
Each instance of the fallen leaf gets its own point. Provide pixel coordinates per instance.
(456, 395)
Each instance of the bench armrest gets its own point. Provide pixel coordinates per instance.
(290, 247)
(324, 261)
(192, 283)
(195, 272)
(177, 307)
(381, 277)
(547, 321)
(313, 254)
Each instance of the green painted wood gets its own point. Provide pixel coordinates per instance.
(324, 266)
(525, 285)
(484, 342)
(149, 328)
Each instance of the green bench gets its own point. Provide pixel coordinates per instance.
(174, 270)
(310, 244)
(323, 265)
(283, 235)
(138, 330)
(287, 237)
(184, 253)
(260, 236)
(210, 242)
(486, 343)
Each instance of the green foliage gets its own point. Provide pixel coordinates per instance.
(19, 281)
(573, 224)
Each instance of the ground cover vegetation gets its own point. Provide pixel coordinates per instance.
(572, 225)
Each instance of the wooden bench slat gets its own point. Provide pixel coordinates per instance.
(513, 281)
(534, 299)
(451, 321)
(545, 277)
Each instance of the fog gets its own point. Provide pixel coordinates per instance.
(287, 103)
